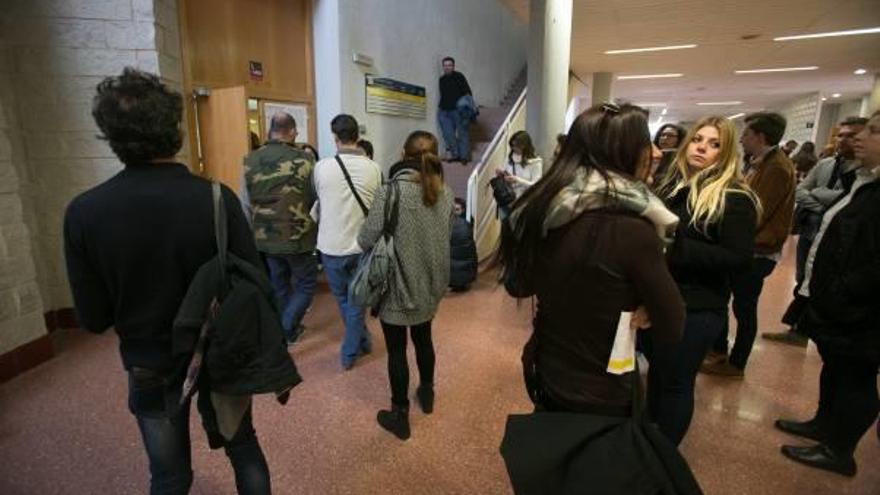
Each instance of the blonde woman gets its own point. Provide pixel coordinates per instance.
(718, 215)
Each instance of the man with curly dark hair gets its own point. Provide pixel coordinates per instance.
(132, 245)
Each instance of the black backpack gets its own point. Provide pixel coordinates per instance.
(230, 319)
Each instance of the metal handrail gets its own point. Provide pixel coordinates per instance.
(502, 131)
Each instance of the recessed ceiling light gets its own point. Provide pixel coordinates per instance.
(648, 76)
(836, 95)
(649, 49)
(860, 72)
(824, 99)
(780, 69)
(718, 103)
(736, 116)
(851, 32)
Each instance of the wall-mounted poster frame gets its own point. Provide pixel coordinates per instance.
(392, 97)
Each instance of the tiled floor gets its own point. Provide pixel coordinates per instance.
(65, 428)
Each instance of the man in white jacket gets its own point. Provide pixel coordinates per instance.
(346, 185)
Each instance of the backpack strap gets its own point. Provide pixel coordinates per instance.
(392, 209)
(357, 196)
(220, 231)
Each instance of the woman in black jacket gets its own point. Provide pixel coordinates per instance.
(842, 314)
(717, 220)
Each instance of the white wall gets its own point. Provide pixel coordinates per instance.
(407, 40)
(328, 81)
(851, 108)
(55, 52)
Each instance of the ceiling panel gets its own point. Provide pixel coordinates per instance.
(717, 27)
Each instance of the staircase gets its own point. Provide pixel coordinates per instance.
(482, 132)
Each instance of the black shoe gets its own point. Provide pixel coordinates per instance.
(806, 429)
(822, 457)
(396, 421)
(425, 394)
(788, 337)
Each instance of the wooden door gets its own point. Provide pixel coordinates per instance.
(223, 122)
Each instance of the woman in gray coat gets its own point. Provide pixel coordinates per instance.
(421, 243)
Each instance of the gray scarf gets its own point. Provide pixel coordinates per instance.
(592, 192)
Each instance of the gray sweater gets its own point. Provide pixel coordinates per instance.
(813, 194)
(421, 242)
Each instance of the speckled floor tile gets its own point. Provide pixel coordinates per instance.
(65, 427)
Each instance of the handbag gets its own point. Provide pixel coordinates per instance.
(575, 453)
(372, 277)
(502, 191)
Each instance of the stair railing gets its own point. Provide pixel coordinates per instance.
(481, 207)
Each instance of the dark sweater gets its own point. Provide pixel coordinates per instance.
(452, 87)
(134, 243)
(703, 263)
(591, 270)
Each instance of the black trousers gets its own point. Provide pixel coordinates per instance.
(848, 400)
(746, 288)
(398, 367)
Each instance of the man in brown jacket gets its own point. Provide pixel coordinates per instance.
(771, 175)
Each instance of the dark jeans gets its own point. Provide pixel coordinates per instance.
(456, 133)
(398, 368)
(340, 270)
(673, 372)
(165, 431)
(848, 400)
(746, 288)
(293, 277)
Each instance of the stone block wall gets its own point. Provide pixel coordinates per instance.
(52, 55)
(799, 113)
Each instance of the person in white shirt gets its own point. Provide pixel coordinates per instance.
(524, 167)
(346, 185)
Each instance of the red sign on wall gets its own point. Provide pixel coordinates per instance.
(256, 70)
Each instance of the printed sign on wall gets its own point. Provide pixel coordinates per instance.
(392, 97)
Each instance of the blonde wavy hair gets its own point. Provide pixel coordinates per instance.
(709, 186)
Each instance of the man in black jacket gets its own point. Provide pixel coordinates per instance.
(453, 124)
(843, 318)
(132, 245)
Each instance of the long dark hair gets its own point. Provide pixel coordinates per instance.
(523, 141)
(605, 138)
(679, 131)
(422, 146)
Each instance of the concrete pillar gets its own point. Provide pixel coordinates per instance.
(602, 82)
(549, 60)
(874, 99)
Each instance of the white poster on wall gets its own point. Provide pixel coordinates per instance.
(299, 111)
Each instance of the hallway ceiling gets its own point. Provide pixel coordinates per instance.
(717, 27)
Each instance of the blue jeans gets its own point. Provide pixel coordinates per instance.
(293, 278)
(340, 270)
(673, 372)
(746, 288)
(165, 431)
(456, 133)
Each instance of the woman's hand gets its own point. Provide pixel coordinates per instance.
(640, 319)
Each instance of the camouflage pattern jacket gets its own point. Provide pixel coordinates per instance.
(278, 185)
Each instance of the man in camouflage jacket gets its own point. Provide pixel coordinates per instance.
(278, 194)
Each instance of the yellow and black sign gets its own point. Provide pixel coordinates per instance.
(392, 97)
